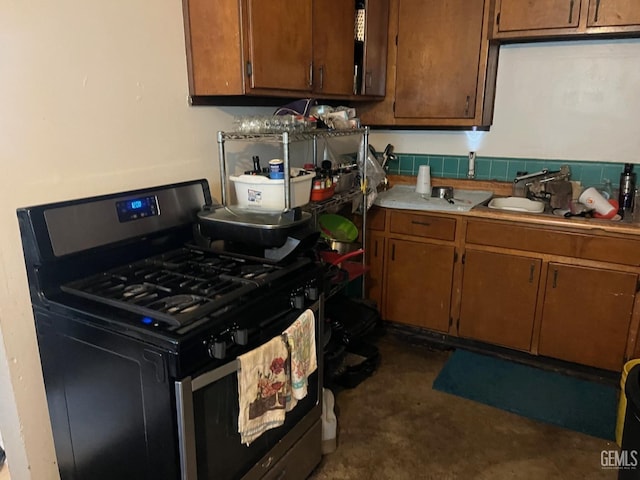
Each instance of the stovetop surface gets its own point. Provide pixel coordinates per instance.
(180, 286)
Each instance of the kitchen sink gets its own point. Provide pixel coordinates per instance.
(404, 197)
(517, 204)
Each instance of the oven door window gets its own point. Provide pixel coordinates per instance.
(219, 453)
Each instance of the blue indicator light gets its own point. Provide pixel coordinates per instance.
(147, 320)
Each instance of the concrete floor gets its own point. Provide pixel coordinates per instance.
(395, 426)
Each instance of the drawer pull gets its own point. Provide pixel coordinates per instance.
(555, 279)
(571, 10)
(416, 222)
(531, 270)
(595, 17)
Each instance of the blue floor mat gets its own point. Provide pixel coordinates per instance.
(549, 397)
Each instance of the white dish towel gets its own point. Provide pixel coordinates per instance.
(301, 338)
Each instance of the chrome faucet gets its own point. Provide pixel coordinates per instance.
(523, 183)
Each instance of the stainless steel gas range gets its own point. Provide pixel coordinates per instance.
(139, 327)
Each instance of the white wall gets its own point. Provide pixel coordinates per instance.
(575, 100)
(93, 99)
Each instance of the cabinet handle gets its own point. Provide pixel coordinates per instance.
(532, 269)
(321, 71)
(595, 17)
(416, 222)
(466, 106)
(311, 74)
(571, 2)
(555, 279)
(393, 251)
(368, 79)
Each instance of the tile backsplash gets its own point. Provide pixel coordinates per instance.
(502, 168)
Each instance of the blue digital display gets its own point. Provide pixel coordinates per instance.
(137, 208)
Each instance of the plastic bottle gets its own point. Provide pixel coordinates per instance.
(329, 422)
(627, 191)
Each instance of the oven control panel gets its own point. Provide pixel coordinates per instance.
(136, 208)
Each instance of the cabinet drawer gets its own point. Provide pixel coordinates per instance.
(423, 225)
(580, 245)
(376, 218)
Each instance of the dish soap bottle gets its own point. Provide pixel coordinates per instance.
(627, 191)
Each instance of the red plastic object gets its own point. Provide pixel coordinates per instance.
(352, 269)
(317, 195)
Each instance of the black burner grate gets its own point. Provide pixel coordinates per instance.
(175, 287)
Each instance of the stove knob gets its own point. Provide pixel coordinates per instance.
(312, 292)
(241, 336)
(297, 299)
(217, 349)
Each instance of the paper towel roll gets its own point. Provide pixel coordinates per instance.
(423, 182)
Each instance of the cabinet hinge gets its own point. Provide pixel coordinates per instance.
(498, 19)
(249, 69)
(464, 256)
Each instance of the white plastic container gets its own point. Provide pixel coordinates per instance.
(263, 193)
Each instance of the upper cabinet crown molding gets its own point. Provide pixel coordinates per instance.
(523, 20)
(279, 48)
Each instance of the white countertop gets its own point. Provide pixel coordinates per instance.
(404, 197)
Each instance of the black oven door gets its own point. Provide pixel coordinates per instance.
(207, 408)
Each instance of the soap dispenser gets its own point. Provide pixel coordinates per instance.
(627, 191)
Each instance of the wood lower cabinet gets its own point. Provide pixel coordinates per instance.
(375, 262)
(418, 283)
(498, 300)
(586, 315)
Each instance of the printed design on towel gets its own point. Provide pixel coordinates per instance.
(301, 341)
(271, 391)
(262, 389)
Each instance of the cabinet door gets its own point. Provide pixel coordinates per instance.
(499, 298)
(519, 15)
(375, 261)
(375, 48)
(437, 58)
(333, 43)
(418, 286)
(613, 13)
(280, 44)
(586, 315)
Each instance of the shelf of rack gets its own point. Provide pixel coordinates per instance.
(285, 138)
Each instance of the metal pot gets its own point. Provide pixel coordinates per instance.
(342, 247)
(442, 192)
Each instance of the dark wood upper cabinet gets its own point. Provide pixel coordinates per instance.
(440, 69)
(614, 13)
(522, 20)
(517, 15)
(279, 48)
(333, 42)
